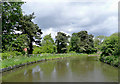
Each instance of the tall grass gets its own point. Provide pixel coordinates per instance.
(22, 59)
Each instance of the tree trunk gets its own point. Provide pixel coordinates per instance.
(58, 47)
(30, 46)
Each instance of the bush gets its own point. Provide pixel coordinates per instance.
(110, 46)
(5, 55)
(91, 50)
(38, 50)
(72, 52)
(11, 54)
(110, 50)
(116, 62)
(113, 60)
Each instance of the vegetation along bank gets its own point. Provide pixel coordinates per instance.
(14, 44)
(10, 64)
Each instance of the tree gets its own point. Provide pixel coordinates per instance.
(32, 30)
(98, 41)
(110, 50)
(38, 50)
(110, 46)
(20, 42)
(13, 20)
(74, 42)
(48, 44)
(11, 15)
(81, 42)
(61, 41)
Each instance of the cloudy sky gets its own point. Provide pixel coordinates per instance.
(98, 17)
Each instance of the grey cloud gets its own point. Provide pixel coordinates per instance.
(73, 17)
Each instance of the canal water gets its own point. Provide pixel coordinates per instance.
(73, 69)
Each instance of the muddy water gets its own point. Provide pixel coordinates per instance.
(74, 69)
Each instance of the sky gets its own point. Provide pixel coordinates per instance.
(98, 17)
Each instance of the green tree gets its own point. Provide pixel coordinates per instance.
(38, 50)
(98, 41)
(11, 15)
(110, 50)
(74, 42)
(81, 42)
(62, 41)
(110, 45)
(13, 20)
(20, 42)
(48, 44)
(32, 30)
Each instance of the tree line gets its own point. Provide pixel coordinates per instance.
(13, 43)
(79, 42)
(13, 21)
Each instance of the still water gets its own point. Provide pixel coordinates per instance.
(74, 69)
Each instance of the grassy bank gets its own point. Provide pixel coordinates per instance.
(94, 54)
(112, 60)
(21, 60)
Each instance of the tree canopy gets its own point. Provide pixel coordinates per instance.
(11, 15)
(32, 30)
(81, 42)
(13, 21)
(98, 41)
(61, 42)
(48, 44)
(110, 46)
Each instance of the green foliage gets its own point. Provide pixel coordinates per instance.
(48, 44)
(98, 41)
(19, 43)
(72, 52)
(61, 41)
(32, 30)
(113, 60)
(110, 45)
(68, 48)
(22, 59)
(11, 15)
(5, 56)
(110, 50)
(38, 50)
(12, 21)
(12, 54)
(81, 42)
(6, 41)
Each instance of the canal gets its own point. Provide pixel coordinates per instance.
(73, 69)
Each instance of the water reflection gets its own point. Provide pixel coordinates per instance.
(81, 66)
(61, 68)
(36, 72)
(75, 69)
(106, 72)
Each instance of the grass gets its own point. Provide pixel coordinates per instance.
(22, 59)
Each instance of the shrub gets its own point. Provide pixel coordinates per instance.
(5, 55)
(110, 45)
(10, 54)
(116, 62)
(72, 52)
(38, 50)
